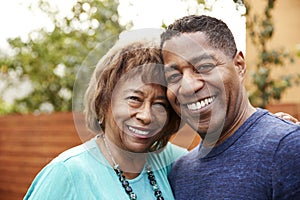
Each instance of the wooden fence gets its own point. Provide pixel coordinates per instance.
(29, 142)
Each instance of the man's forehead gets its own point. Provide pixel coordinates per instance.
(185, 44)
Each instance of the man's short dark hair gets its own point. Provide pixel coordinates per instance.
(217, 32)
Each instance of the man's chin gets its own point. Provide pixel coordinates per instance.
(205, 126)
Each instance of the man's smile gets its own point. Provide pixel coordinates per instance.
(200, 104)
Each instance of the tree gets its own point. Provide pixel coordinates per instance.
(49, 60)
(260, 29)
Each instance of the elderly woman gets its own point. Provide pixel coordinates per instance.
(130, 158)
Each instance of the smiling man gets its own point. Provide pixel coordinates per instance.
(246, 152)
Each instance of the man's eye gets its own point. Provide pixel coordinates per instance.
(205, 68)
(173, 78)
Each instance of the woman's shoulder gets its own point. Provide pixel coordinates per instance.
(76, 151)
(170, 147)
(60, 175)
(168, 154)
(69, 162)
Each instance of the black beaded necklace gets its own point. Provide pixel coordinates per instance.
(124, 181)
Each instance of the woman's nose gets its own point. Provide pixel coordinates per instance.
(144, 114)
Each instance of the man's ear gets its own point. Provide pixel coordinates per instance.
(240, 64)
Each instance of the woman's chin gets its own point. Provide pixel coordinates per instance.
(137, 148)
(138, 145)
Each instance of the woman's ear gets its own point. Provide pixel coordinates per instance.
(240, 64)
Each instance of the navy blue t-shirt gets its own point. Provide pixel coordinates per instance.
(261, 160)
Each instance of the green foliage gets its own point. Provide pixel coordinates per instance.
(201, 1)
(5, 108)
(51, 58)
(267, 87)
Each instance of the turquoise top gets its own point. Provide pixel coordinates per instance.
(83, 173)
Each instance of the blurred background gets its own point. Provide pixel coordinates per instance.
(43, 44)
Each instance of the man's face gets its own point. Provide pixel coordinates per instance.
(204, 85)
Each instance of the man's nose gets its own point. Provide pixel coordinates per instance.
(191, 83)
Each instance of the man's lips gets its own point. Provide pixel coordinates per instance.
(194, 106)
(197, 105)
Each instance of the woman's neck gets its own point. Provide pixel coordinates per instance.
(130, 163)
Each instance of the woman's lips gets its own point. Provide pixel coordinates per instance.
(141, 132)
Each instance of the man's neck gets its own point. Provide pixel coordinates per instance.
(221, 135)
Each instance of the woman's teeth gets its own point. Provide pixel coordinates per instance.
(138, 131)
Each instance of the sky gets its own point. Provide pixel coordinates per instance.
(17, 20)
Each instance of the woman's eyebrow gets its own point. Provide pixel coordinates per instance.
(133, 91)
(162, 97)
(139, 92)
(171, 67)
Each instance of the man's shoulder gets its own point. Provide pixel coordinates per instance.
(183, 169)
(187, 159)
(267, 123)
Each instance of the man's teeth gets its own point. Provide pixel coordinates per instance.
(138, 131)
(200, 104)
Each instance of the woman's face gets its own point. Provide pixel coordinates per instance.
(137, 115)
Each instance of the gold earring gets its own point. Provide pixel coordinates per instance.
(100, 120)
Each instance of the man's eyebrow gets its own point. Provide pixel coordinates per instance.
(192, 61)
(201, 57)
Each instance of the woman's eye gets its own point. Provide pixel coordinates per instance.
(134, 99)
(159, 106)
(173, 78)
(204, 68)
